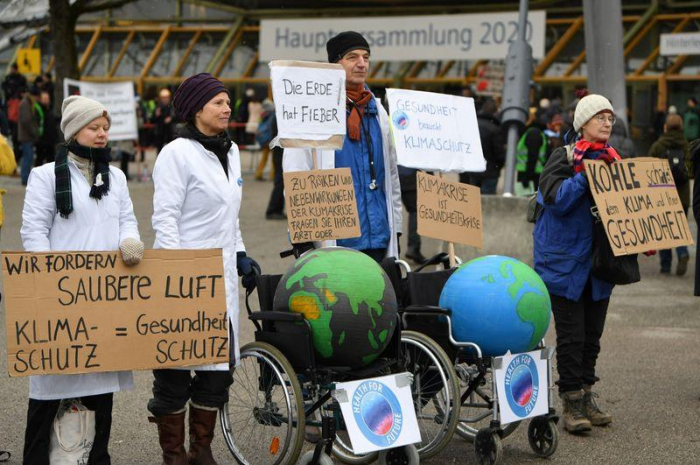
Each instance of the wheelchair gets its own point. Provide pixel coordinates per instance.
(280, 387)
(419, 295)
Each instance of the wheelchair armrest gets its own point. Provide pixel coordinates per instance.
(426, 310)
(276, 316)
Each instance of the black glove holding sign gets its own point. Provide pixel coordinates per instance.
(248, 269)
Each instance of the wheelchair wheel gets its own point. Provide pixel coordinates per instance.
(435, 391)
(475, 412)
(488, 447)
(406, 455)
(261, 421)
(543, 436)
(307, 457)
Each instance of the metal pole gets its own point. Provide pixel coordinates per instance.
(604, 52)
(516, 99)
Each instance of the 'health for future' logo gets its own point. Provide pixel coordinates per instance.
(522, 385)
(377, 413)
(400, 119)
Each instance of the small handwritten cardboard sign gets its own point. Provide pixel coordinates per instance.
(449, 211)
(639, 205)
(321, 205)
(83, 312)
(309, 103)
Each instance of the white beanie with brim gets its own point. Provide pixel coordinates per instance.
(588, 107)
(77, 112)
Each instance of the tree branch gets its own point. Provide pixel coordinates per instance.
(86, 6)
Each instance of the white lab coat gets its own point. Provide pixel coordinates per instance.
(196, 207)
(92, 226)
(301, 160)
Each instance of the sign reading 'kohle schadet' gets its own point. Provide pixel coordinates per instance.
(435, 131)
(82, 312)
(638, 204)
(309, 103)
(481, 36)
(449, 211)
(321, 205)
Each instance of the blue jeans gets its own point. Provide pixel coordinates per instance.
(666, 256)
(27, 160)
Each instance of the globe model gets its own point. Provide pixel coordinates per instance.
(499, 303)
(348, 301)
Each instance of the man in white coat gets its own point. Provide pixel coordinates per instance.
(368, 151)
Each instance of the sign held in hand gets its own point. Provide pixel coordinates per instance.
(321, 205)
(638, 204)
(309, 103)
(84, 312)
(449, 211)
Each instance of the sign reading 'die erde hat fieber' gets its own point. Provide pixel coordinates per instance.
(85, 312)
(309, 104)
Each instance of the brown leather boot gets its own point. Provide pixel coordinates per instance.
(594, 414)
(575, 420)
(171, 435)
(202, 424)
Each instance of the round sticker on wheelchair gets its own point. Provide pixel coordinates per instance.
(377, 413)
(522, 385)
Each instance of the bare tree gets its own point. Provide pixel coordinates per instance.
(63, 17)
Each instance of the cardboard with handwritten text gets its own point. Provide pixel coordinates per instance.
(638, 204)
(449, 211)
(83, 312)
(321, 205)
(309, 104)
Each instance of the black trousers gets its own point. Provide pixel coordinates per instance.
(276, 203)
(410, 201)
(579, 325)
(173, 388)
(40, 417)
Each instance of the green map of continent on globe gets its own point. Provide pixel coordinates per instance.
(344, 296)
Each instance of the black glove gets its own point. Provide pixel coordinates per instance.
(248, 268)
(301, 248)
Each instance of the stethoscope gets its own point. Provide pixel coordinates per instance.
(365, 128)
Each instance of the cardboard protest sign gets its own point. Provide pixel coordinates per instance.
(117, 97)
(639, 205)
(82, 312)
(321, 205)
(309, 103)
(435, 131)
(449, 211)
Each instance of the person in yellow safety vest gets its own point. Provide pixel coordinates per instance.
(8, 164)
(531, 155)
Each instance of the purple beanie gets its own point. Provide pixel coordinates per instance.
(194, 93)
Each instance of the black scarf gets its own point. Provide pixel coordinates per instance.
(98, 157)
(219, 144)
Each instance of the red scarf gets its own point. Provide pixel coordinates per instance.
(357, 101)
(597, 151)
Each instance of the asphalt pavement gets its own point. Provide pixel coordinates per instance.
(649, 365)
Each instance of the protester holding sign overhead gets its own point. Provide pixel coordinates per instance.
(198, 191)
(672, 146)
(368, 151)
(563, 240)
(79, 202)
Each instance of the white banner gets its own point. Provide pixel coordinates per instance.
(378, 413)
(522, 386)
(435, 131)
(309, 100)
(117, 97)
(680, 44)
(481, 36)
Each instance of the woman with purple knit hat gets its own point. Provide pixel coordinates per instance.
(198, 191)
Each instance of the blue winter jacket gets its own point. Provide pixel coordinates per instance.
(563, 235)
(371, 204)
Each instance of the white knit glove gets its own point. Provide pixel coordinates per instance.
(132, 251)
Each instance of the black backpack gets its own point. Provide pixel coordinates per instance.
(676, 159)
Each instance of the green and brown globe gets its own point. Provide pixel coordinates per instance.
(348, 301)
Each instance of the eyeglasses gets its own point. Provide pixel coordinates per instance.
(602, 119)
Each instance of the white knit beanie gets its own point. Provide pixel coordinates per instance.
(588, 107)
(78, 112)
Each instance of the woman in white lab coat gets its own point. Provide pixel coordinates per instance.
(198, 188)
(79, 202)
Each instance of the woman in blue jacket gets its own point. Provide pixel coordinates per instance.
(563, 239)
